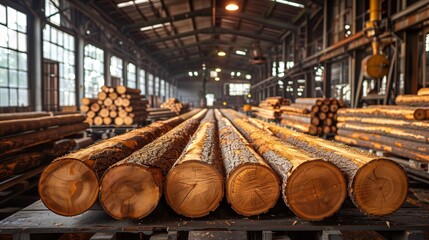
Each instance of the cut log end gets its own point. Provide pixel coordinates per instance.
(130, 191)
(68, 187)
(252, 189)
(380, 187)
(194, 189)
(315, 190)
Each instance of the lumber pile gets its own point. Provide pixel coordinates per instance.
(159, 113)
(377, 186)
(270, 108)
(402, 130)
(70, 184)
(175, 106)
(26, 143)
(119, 106)
(421, 99)
(315, 116)
(298, 171)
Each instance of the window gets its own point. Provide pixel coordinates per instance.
(93, 70)
(157, 86)
(150, 84)
(239, 89)
(131, 76)
(162, 90)
(142, 81)
(13, 58)
(59, 46)
(167, 89)
(51, 11)
(116, 67)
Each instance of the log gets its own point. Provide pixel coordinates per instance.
(98, 121)
(95, 107)
(108, 102)
(102, 95)
(90, 114)
(118, 102)
(124, 90)
(412, 100)
(122, 113)
(380, 112)
(409, 134)
(22, 115)
(388, 186)
(61, 185)
(417, 125)
(9, 127)
(83, 108)
(423, 92)
(113, 114)
(58, 148)
(310, 101)
(252, 187)
(20, 163)
(105, 88)
(298, 117)
(312, 188)
(324, 108)
(18, 142)
(113, 95)
(138, 178)
(302, 127)
(119, 121)
(297, 108)
(107, 120)
(88, 101)
(400, 151)
(104, 113)
(391, 141)
(194, 186)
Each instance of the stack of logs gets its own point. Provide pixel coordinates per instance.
(175, 106)
(401, 129)
(315, 116)
(27, 140)
(119, 106)
(270, 108)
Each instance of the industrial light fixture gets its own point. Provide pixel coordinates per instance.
(248, 76)
(196, 74)
(154, 26)
(238, 74)
(190, 74)
(240, 52)
(290, 3)
(218, 70)
(217, 78)
(232, 74)
(130, 3)
(221, 53)
(232, 6)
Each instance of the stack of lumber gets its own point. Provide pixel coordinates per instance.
(269, 109)
(402, 130)
(315, 116)
(175, 106)
(159, 113)
(32, 138)
(119, 106)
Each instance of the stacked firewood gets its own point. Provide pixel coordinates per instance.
(175, 106)
(29, 139)
(400, 130)
(270, 108)
(119, 106)
(315, 116)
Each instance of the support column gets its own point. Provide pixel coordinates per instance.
(309, 85)
(35, 57)
(107, 77)
(327, 80)
(411, 81)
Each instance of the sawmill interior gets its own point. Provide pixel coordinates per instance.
(214, 119)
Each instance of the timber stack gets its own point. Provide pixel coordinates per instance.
(33, 139)
(175, 106)
(402, 129)
(270, 108)
(155, 114)
(118, 106)
(315, 116)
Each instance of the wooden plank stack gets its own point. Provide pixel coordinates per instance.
(175, 106)
(119, 106)
(26, 143)
(402, 129)
(159, 113)
(315, 116)
(270, 108)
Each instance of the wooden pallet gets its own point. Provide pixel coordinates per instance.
(409, 222)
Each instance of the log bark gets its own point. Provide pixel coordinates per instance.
(252, 187)
(412, 100)
(409, 134)
(9, 127)
(18, 142)
(423, 92)
(312, 188)
(138, 178)
(417, 125)
(400, 151)
(388, 186)
(61, 186)
(297, 108)
(194, 186)
(17, 164)
(23, 115)
(310, 101)
(380, 112)
(298, 117)
(124, 90)
(302, 127)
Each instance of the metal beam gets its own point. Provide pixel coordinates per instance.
(250, 17)
(216, 31)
